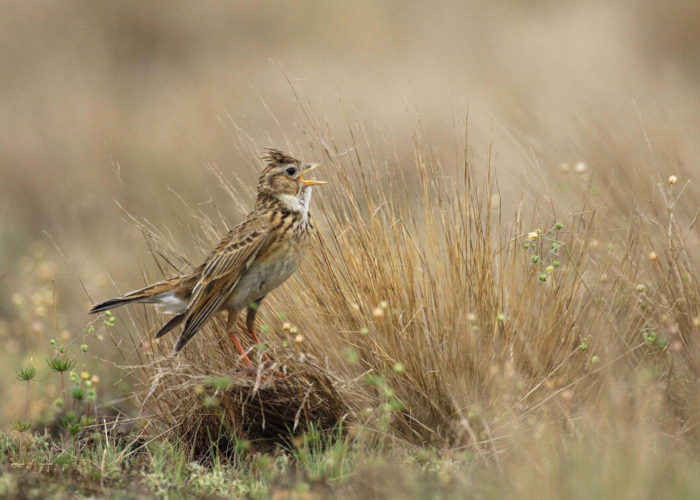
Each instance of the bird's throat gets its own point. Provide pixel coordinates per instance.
(298, 204)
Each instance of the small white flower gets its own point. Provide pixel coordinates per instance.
(580, 167)
(672, 179)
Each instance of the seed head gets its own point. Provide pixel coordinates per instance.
(533, 235)
(21, 426)
(61, 364)
(209, 402)
(299, 339)
(27, 373)
(672, 179)
(580, 167)
(352, 356)
(653, 256)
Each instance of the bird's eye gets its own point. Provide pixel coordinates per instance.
(291, 171)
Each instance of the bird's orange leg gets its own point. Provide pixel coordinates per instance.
(231, 327)
(245, 357)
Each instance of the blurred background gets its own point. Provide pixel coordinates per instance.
(133, 102)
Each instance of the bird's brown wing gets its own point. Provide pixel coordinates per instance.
(221, 272)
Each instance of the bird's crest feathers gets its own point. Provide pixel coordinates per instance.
(275, 157)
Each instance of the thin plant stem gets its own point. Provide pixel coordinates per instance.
(26, 403)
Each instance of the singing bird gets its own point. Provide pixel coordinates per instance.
(254, 258)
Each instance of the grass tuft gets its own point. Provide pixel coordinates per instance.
(425, 315)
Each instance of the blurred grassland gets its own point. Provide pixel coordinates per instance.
(151, 105)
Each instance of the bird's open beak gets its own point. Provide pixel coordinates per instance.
(310, 182)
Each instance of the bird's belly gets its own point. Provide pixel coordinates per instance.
(261, 278)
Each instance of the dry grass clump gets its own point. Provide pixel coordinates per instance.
(427, 312)
(218, 404)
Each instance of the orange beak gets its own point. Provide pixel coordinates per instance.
(311, 182)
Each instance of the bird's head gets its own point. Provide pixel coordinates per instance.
(283, 179)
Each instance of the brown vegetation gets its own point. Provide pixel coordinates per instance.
(423, 314)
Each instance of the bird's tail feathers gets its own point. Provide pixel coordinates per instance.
(152, 294)
(176, 320)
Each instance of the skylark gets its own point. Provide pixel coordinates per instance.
(254, 258)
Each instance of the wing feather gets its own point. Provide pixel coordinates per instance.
(221, 272)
